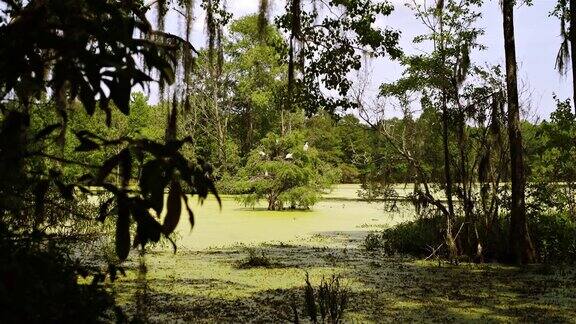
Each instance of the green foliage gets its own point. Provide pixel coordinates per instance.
(552, 230)
(555, 156)
(413, 238)
(284, 173)
(84, 50)
(334, 43)
(258, 79)
(84, 56)
(554, 237)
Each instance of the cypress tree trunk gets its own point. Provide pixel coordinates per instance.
(519, 245)
(449, 238)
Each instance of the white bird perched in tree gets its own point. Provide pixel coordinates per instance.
(306, 147)
(262, 154)
(266, 173)
(289, 156)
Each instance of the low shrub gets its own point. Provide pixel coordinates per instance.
(554, 237)
(411, 238)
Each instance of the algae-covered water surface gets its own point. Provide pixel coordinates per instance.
(208, 279)
(235, 224)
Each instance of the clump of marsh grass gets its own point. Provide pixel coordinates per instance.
(258, 259)
(326, 303)
(373, 242)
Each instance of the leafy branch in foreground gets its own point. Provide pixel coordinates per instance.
(94, 52)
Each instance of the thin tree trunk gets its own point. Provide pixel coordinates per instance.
(573, 48)
(466, 197)
(220, 122)
(447, 173)
(282, 126)
(450, 243)
(520, 246)
(249, 130)
(452, 250)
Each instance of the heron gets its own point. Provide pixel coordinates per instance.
(262, 154)
(306, 147)
(289, 156)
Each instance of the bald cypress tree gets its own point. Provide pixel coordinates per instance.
(520, 245)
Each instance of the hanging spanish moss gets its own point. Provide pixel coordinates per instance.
(295, 36)
(189, 18)
(563, 56)
(263, 11)
(171, 130)
(295, 10)
(188, 62)
(162, 9)
(210, 29)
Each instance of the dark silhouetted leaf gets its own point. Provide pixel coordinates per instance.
(125, 167)
(174, 208)
(120, 93)
(152, 183)
(112, 271)
(86, 178)
(106, 169)
(84, 189)
(147, 229)
(88, 134)
(98, 278)
(214, 192)
(88, 100)
(105, 106)
(190, 213)
(67, 191)
(123, 228)
(39, 195)
(86, 145)
(104, 207)
(174, 247)
(46, 131)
